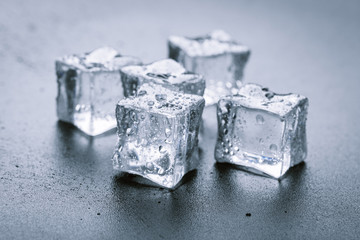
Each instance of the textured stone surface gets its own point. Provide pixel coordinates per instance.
(54, 181)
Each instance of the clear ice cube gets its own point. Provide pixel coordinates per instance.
(167, 73)
(89, 86)
(262, 131)
(158, 134)
(216, 56)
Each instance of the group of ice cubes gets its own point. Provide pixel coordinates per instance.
(219, 58)
(158, 120)
(158, 134)
(89, 86)
(262, 131)
(165, 73)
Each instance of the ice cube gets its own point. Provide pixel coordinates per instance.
(217, 57)
(89, 86)
(262, 131)
(158, 134)
(167, 73)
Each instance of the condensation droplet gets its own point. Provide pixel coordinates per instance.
(167, 132)
(149, 166)
(141, 93)
(273, 147)
(269, 95)
(151, 103)
(259, 119)
(160, 97)
(161, 149)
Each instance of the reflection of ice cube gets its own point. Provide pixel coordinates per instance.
(262, 131)
(158, 136)
(217, 57)
(167, 73)
(89, 86)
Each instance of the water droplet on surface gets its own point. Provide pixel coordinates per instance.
(151, 103)
(228, 84)
(269, 95)
(273, 147)
(161, 171)
(259, 119)
(128, 131)
(161, 149)
(160, 97)
(236, 148)
(167, 132)
(141, 93)
(149, 166)
(261, 140)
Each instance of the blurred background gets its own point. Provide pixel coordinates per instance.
(57, 183)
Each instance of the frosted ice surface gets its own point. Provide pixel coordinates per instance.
(216, 56)
(89, 86)
(167, 73)
(158, 134)
(262, 131)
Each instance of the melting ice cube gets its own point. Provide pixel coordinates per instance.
(262, 131)
(158, 134)
(216, 56)
(89, 86)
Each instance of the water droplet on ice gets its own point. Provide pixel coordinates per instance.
(160, 97)
(161, 149)
(149, 166)
(151, 103)
(141, 93)
(167, 132)
(269, 95)
(273, 147)
(259, 119)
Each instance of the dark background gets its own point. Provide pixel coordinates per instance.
(57, 183)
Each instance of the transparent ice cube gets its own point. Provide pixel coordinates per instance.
(216, 56)
(262, 131)
(167, 73)
(89, 86)
(158, 134)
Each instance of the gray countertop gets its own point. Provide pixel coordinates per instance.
(55, 183)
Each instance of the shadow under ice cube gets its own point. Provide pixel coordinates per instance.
(158, 134)
(165, 73)
(262, 131)
(217, 57)
(89, 86)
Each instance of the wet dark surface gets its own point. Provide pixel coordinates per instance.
(57, 183)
